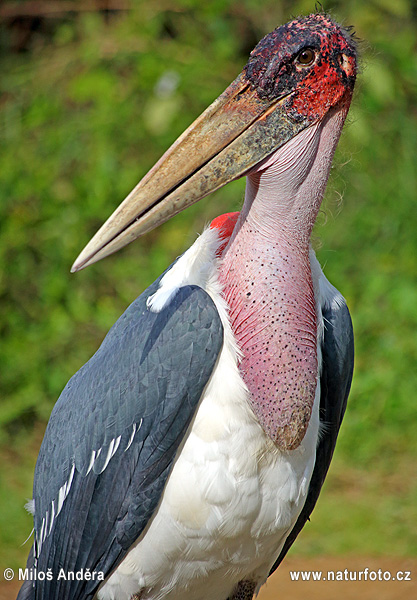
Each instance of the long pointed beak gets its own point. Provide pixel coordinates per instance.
(234, 134)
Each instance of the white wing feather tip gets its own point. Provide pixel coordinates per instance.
(52, 517)
(61, 498)
(131, 437)
(93, 458)
(114, 444)
(109, 455)
(45, 529)
(69, 482)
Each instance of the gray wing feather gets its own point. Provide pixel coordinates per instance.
(133, 402)
(335, 381)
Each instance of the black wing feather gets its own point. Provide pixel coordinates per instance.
(149, 373)
(335, 381)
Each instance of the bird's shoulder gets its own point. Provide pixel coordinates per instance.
(116, 427)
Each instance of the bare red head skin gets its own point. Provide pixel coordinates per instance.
(266, 273)
(281, 63)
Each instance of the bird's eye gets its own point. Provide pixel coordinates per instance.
(306, 57)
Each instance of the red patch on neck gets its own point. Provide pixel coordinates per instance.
(225, 225)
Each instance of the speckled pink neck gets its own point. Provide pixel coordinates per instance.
(268, 285)
(273, 318)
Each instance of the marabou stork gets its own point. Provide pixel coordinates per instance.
(184, 458)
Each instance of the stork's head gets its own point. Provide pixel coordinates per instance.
(295, 77)
(311, 61)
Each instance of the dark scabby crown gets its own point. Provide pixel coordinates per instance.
(271, 69)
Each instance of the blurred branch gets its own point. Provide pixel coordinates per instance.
(13, 10)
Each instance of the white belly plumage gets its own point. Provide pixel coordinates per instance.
(231, 498)
(225, 512)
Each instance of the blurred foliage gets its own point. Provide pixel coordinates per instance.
(87, 112)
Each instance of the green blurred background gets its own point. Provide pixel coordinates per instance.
(89, 100)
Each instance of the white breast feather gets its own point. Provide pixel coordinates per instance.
(232, 497)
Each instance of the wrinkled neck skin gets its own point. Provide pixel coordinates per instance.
(267, 281)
